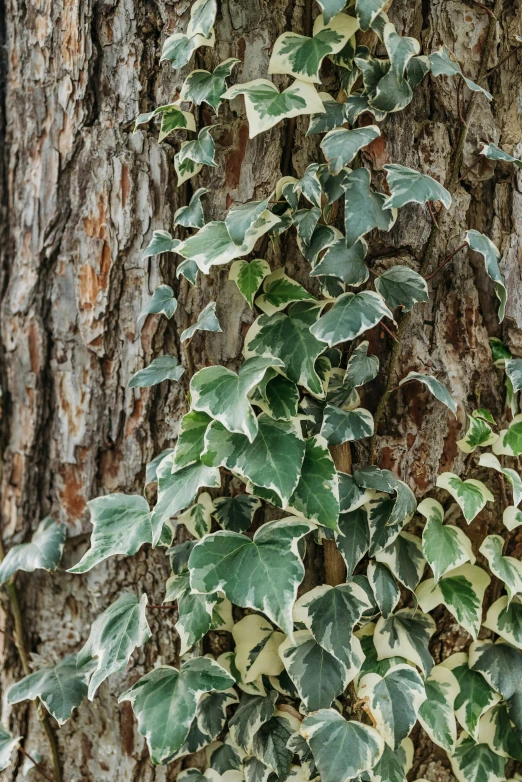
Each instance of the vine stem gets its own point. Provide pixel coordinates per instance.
(446, 261)
(334, 565)
(37, 766)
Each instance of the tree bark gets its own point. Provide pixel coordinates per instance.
(79, 197)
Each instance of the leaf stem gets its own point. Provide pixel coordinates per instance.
(446, 261)
(36, 765)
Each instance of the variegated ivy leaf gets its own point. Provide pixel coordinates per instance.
(172, 118)
(392, 701)
(114, 636)
(499, 663)
(178, 48)
(493, 152)
(223, 394)
(405, 559)
(406, 634)
(512, 518)
(393, 766)
(152, 466)
(340, 145)
(197, 518)
(210, 719)
(498, 732)
(382, 531)
(187, 169)
(387, 593)
(509, 442)
(305, 222)
(253, 711)
(262, 573)
(316, 496)
(194, 611)
(475, 695)
(242, 218)
(483, 245)
(202, 17)
(248, 276)
(346, 263)
(333, 117)
(471, 495)
(402, 287)
(393, 91)
(514, 373)
(342, 749)
(201, 151)
(478, 434)
(442, 64)
(162, 302)
(375, 478)
(367, 11)
(212, 245)
(461, 591)
(190, 441)
(44, 551)
(257, 648)
(277, 396)
(210, 775)
(436, 714)
(204, 87)
(8, 743)
(61, 687)
(223, 756)
(445, 547)
(191, 216)
(270, 743)
(271, 461)
(473, 762)
(505, 619)
(301, 57)
(206, 321)
(165, 701)
(351, 315)
(407, 186)
(160, 369)
(161, 242)
(266, 106)
(364, 210)
(235, 513)
(121, 525)
(318, 676)
(353, 538)
(279, 290)
(372, 664)
(507, 569)
(287, 336)
(341, 426)
(435, 387)
(361, 368)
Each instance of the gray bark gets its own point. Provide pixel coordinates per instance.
(79, 197)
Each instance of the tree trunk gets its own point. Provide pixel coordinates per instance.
(79, 197)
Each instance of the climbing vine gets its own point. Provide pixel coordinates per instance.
(325, 684)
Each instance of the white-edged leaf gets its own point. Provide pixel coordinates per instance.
(461, 591)
(435, 387)
(483, 245)
(172, 118)
(340, 145)
(8, 743)
(401, 286)
(405, 634)
(364, 210)
(505, 619)
(43, 552)
(367, 11)
(194, 611)
(333, 117)
(316, 495)
(361, 368)
(197, 518)
(499, 663)
(493, 152)
(507, 569)
(407, 186)
(436, 714)
(405, 559)
(235, 513)
(161, 242)
(473, 762)
(514, 373)
(351, 315)
(353, 538)
(475, 695)
(471, 495)
(318, 676)
(191, 216)
(206, 321)
(178, 48)
(393, 766)
(441, 64)
(512, 518)
(345, 263)
(279, 290)
(257, 648)
(341, 426)
(393, 92)
(248, 276)
(479, 434)
(444, 546)
(498, 732)
(201, 86)
(387, 593)
(163, 302)
(160, 369)
(252, 712)
(509, 442)
(185, 170)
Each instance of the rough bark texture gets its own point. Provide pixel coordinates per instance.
(79, 198)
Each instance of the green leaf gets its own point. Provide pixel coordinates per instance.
(374, 478)
(342, 749)
(279, 290)
(479, 433)
(253, 712)
(160, 369)
(405, 559)
(277, 396)
(435, 387)
(346, 263)
(204, 87)
(210, 720)
(270, 743)
(507, 569)
(266, 106)
(191, 216)
(393, 701)
(341, 426)
(301, 57)
(351, 315)
(436, 713)
(461, 591)
(493, 152)
(471, 495)
(473, 762)
(441, 64)
(406, 634)
(191, 440)
(271, 461)
(121, 525)
(392, 91)
(497, 731)
(172, 118)
(367, 11)
(44, 552)
(162, 302)
(287, 336)
(340, 145)
(361, 368)
(402, 287)
(114, 636)
(475, 695)
(235, 513)
(316, 496)
(207, 321)
(505, 619)
(165, 701)
(61, 687)
(409, 186)
(262, 573)
(483, 245)
(509, 442)
(353, 537)
(318, 676)
(333, 117)
(179, 48)
(384, 587)
(194, 611)
(161, 242)
(248, 276)
(364, 210)
(393, 766)
(444, 546)
(500, 665)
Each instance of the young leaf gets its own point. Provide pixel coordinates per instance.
(235, 513)
(507, 569)
(475, 695)
(279, 290)
(191, 216)
(61, 687)
(435, 387)
(266, 106)
(121, 525)
(407, 186)
(461, 591)
(333, 117)
(512, 518)
(509, 442)
(248, 276)
(342, 749)
(172, 118)
(165, 701)
(203, 87)
(160, 369)
(346, 263)
(353, 538)
(392, 91)
(402, 287)
(384, 587)
(483, 245)
(316, 496)
(473, 762)
(200, 151)
(179, 48)
(318, 676)
(444, 546)
(364, 210)
(185, 170)
(351, 315)
(406, 634)
(7, 744)
(499, 663)
(471, 495)
(211, 246)
(393, 701)
(262, 573)
(161, 242)
(441, 64)
(505, 619)
(361, 368)
(436, 714)
(197, 518)
(340, 145)
(479, 433)
(44, 552)
(341, 426)
(405, 559)
(114, 636)
(207, 321)
(253, 711)
(493, 152)
(257, 648)
(161, 303)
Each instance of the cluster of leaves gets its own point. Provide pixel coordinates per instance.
(328, 685)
